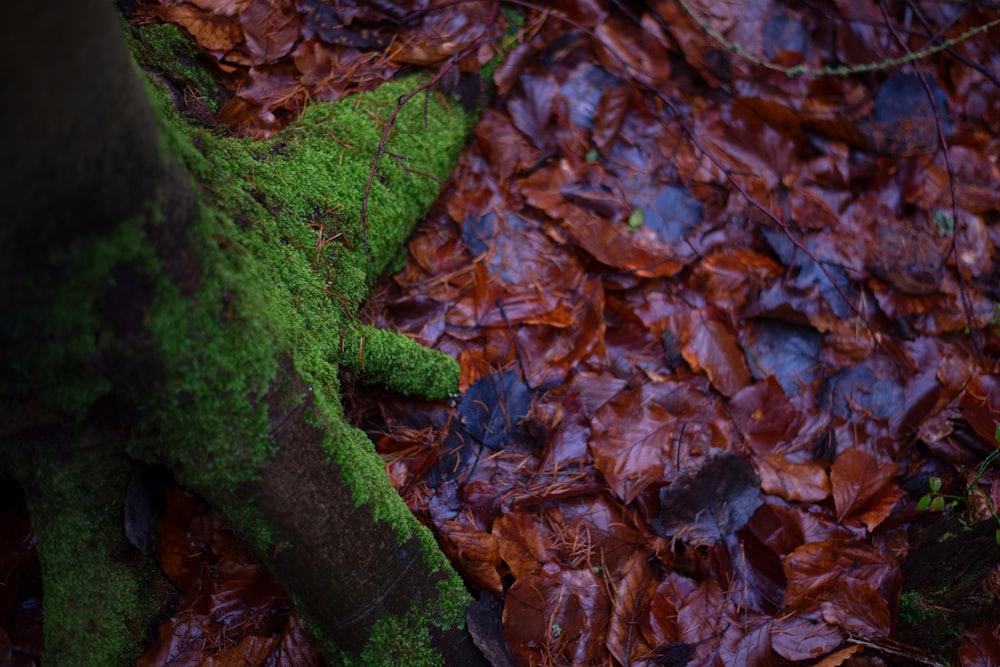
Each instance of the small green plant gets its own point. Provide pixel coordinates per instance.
(937, 501)
(994, 320)
(636, 218)
(945, 223)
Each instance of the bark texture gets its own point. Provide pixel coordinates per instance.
(139, 318)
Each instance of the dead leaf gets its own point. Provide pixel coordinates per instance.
(806, 482)
(708, 344)
(711, 501)
(564, 616)
(630, 602)
(856, 477)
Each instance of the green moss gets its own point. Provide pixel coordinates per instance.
(168, 49)
(454, 598)
(407, 641)
(401, 641)
(98, 595)
(399, 363)
(285, 271)
(913, 609)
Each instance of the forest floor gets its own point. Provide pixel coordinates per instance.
(728, 318)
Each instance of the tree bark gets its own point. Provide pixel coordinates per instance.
(123, 290)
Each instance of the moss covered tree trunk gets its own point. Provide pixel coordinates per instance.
(166, 295)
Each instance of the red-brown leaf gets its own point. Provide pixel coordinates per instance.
(564, 616)
(709, 344)
(642, 434)
(856, 477)
(611, 111)
(817, 571)
(629, 603)
(805, 482)
(765, 416)
(980, 647)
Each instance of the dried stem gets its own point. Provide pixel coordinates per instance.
(426, 87)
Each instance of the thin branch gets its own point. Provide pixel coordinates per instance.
(453, 62)
(840, 70)
(977, 337)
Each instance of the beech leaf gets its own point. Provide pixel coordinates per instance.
(708, 344)
(856, 477)
(713, 500)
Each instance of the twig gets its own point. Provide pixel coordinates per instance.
(517, 345)
(401, 102)
(402, 160)
(840, 70)
(963, 290)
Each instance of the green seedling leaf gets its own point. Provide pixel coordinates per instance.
(945, 223)
(636, 218)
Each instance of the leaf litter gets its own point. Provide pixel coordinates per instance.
(747, 338)
(713, 320)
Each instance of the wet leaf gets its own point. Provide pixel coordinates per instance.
(904, 116)
(708, 344)
(979, 648)
(525, 543)
(858, 608)
(232, 610)
(730, 279)
(764, 415)
(642, 435)
(531, 111)
(828, 573)
(856, 477)
(806, 482)
(869, 388)
(252, 651)
(630, 602)
(564, 616)
(788, 352)
(711, 501)
(610, 115)
(492, 408)
(270, 28)
(796, 637)
(584, 88)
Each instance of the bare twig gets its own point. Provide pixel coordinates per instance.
(840, 70)
(426, 87)
(977, 336)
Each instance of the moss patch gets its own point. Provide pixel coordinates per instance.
(98, 594)
(166, 48)
(285, 270)
(281, 270)
(399, 363)
(280, 238)
(407, 641)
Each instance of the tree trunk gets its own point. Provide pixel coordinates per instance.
(165, 296)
